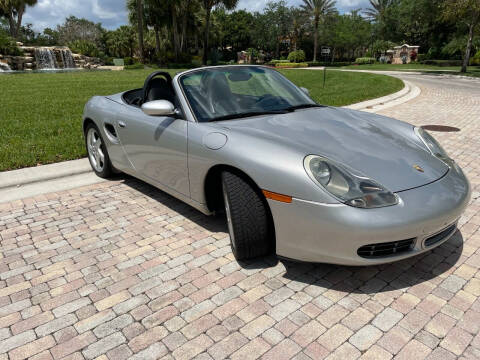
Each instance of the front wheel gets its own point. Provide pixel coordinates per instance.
(247, 217)
(97, 152)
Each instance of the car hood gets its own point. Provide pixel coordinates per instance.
(381, 148)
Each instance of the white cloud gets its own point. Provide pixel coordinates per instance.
(50, 13)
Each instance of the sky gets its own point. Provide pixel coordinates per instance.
(112, 13)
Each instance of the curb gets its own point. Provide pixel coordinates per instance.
(31, 175)
(409, 92)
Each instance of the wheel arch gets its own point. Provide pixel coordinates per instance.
(87, 121)
(214, 195)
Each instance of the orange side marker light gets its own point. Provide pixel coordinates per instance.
(277, 197)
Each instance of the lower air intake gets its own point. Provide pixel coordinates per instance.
(386, 249)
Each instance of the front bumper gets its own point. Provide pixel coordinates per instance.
(333, 233)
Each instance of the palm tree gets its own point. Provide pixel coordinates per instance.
(317, 10)
(13, 10)
(378, 9)
(207, 7)
(140, 30)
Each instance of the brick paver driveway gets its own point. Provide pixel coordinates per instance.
(121, 270)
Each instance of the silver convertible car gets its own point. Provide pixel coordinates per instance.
(308, 182)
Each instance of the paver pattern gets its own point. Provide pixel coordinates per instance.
(120, 270)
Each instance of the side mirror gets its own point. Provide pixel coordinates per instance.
(305, 90)
(159, 108)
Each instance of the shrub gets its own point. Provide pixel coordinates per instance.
(365, 60)
(475, 61)
(442, 63)
(128, 61)
(291, 65)
(8, 46)
(296, 56)
(421, 57)
(328, 63)
(136, 66)
(84, 47)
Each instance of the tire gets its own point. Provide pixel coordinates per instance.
(248, 218)
(97, 152)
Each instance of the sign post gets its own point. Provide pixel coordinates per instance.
(326, 53)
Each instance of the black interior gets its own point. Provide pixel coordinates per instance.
(158, 86)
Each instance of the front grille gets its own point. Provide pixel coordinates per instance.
(432, 240)
(386, 249)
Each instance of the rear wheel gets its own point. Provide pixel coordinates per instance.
(247, 217)
(97, 152)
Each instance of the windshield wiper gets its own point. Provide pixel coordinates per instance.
(248, 114)
(302, 106)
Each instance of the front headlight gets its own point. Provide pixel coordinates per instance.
(353, 190)
(432, 145)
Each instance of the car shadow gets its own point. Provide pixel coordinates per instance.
(351, 279)
(210, 223)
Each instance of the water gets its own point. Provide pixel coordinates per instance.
(4, 67)
(46, 59)
(67, 58)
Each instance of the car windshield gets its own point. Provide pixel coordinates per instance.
(239, 91)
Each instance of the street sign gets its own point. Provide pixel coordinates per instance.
(326, 50)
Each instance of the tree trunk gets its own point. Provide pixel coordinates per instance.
(206, 34)
(19, 22)
(466, 60)
(12, 24)
(176, 40)
(315, 39)
(183, 43)
(157, 40)
(140, 30)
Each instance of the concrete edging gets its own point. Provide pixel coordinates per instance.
(409, 92)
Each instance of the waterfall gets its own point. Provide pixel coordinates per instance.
(67, 58)
(45, 59)
(4, 67)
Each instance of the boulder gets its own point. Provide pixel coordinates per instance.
(28, 49)
(28, 65)
(19, 43)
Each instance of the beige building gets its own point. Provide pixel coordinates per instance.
(403, 54)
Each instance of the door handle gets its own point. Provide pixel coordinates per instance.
(122, 124)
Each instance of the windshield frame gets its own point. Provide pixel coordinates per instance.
(180, 76)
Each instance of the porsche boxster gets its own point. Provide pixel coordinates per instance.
(306, 181)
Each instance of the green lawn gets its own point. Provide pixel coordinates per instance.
(453, 70)
(40, 114)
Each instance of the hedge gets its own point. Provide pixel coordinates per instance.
(442, 62)
(328, 63)
(365, 60)
(291, 65)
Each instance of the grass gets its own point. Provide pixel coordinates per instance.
(40, 114)
(473, 71)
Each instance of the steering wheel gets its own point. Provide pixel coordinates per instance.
(266, 100)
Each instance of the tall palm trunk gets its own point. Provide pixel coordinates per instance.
(176, 40)
(466, 60)
(157, 40)
(183, 42)
(315, 38)
(140, 30)
(206, 34)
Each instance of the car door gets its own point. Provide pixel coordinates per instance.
(156, 146)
